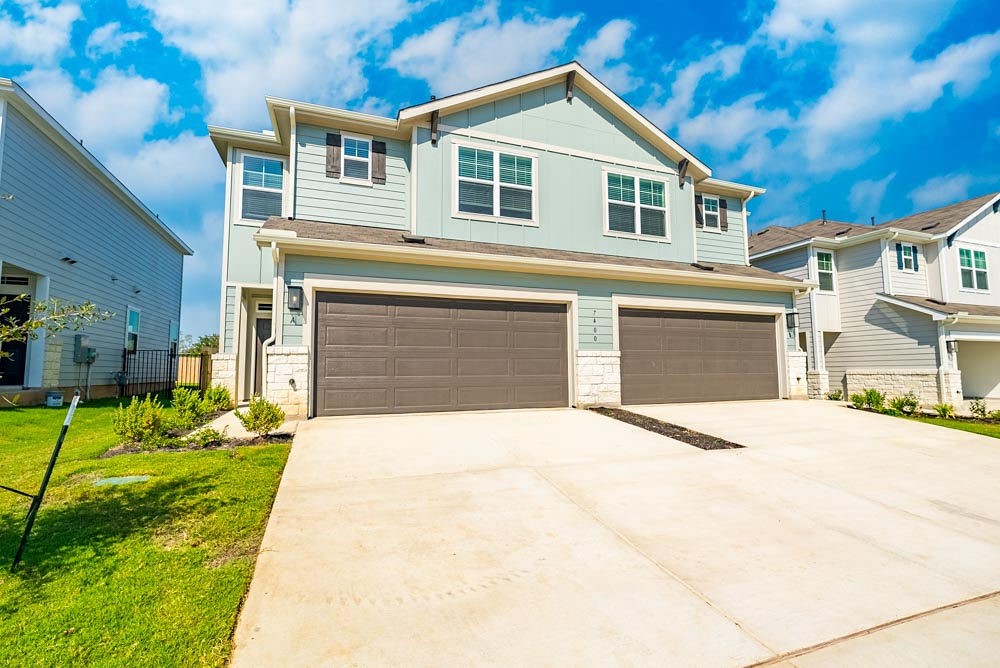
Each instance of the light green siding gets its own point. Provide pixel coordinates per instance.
(570, 187)
(725, 247)
(248, 263)
(319, 197)
(594, 295)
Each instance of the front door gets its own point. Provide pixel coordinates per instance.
(14, 353)
(262, 329)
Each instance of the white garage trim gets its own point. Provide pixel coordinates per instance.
(314, 283)
(708, 306)
(972, 336)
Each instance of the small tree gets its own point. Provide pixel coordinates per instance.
(206, 343)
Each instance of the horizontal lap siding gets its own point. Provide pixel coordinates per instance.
(909, 282)
(326, 199)
(61, 210)
(875, 335)
(724, 247)
(794, 264)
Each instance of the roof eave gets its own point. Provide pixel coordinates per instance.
(289, 240)
(845, 242)
(721, 187)
(965, 221)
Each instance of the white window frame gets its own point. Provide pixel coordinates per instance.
(344, 157)
(608, 232)
(975, 279)
(174, 336)
(832, 271)
(129, 310)
(912, 258)
(496, 149)
(238, 214)
(717, 228)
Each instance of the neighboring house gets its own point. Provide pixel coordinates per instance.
(71, 231)
(530, 243)
(908, 305)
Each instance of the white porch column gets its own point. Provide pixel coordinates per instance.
(35, 367)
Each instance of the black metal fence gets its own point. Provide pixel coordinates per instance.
(152, 371)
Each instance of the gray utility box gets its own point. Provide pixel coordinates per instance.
(82, 352)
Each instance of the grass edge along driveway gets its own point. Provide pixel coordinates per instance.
(149, 573)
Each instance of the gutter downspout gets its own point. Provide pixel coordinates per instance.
(292, 160)
(944, 358)
(886, 268)
(267, 343)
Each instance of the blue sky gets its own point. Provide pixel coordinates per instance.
(858, 107)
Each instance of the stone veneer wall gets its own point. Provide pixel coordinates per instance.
(50, 367)
(598, 378)
(819, 384)
(951, 386)
(797, 376)
(895, 382)
(224, 372)
(287, 382)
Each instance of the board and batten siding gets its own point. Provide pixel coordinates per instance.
(724, 247)
(61, 210)
(911, 283)
(594, 295)
(329, 200)
(875, 335)
(570, 186)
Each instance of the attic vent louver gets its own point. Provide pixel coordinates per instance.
(842, 232)
(928, 227)
(413, 239)
(702, 266)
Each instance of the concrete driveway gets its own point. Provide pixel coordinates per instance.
(562, 537)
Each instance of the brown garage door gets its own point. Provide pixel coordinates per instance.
(677, 356)
(393, 354)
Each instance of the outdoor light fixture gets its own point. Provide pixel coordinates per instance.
(952, 347)
(792, 320)
(294, 298)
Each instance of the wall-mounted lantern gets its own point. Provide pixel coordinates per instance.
(295, 298)
(791, 320)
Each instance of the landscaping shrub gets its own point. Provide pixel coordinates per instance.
(874, 399)
(908, 404)
(262, 417)
(208, 437)
(858, 400)
(217, 399)
(835, 395)
(978, 408)
(944, 410)
(142, 421)
(189, 409)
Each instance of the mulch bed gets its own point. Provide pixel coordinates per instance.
(676, 432)
(228, 444)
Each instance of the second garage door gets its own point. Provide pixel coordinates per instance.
(395, 354)
(682, 356)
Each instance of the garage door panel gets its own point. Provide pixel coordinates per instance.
(671, 356)
(437, 354)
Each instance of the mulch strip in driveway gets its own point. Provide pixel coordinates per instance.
(676, 432)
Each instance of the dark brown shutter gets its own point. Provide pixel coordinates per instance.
(699, 212)
(333, 155)
(723, 214)
(378, 162)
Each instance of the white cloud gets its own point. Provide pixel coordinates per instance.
(722, 63)
(41, 36)
(941, 190)
(307, 50)
(115, 114)
(110, 40)
(599, 53)
(734, 125)
(451, 56)
(866, 196)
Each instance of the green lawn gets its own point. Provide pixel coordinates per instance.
(150, 573)
(964, 425)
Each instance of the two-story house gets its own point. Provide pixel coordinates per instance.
(908, 305)
(71, 231)
(531, 243)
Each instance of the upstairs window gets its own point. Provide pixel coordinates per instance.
(495, 184)
(132, 322)
(711, 207)
(825, 270)
(909, 253)
(975, 275)
(263, 179)
(636, 206)
(357, 159)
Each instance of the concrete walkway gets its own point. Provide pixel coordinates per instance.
(230, 424)
(565, 538)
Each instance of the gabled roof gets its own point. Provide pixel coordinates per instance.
(776, 236)
(943, 219)
(937, 308)
(17, 96)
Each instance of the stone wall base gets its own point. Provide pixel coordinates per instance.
(951, 386)
(896, 382)
(819, 384)
(797, 376)
(598, 378)
(224, 372)
(52, 363)
(287, 379)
